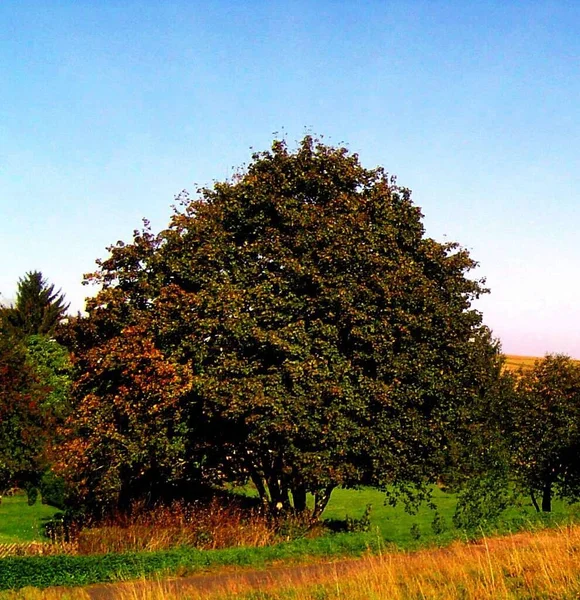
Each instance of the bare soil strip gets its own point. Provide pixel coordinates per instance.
(214, 582)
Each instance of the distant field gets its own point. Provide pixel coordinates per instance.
(515, 362)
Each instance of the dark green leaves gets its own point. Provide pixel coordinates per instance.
(327, 339)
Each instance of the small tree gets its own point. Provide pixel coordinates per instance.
(38, 308)
(127, 437)
(543, 425)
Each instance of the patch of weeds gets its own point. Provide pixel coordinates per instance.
(439, 524)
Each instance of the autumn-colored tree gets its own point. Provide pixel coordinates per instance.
(127, 437)
(542, 423)
(313, 336)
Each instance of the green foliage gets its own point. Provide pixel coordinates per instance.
(439, 524)
(34, 398)
(31, 494)
(38, 308)
(24, 428)
(52, 489)
(309, 335)
(363, 523)
(35, 377)
(415, 532)
(52, 364)
(482, 501)
(542, 424)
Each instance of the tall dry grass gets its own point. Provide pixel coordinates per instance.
(203, 526)
(538, 565)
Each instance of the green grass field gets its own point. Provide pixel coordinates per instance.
(395, 524)
(20, 522)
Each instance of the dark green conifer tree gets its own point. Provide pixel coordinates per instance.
(38, 308)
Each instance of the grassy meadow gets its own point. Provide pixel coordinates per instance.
(20, 523)
(392, 532)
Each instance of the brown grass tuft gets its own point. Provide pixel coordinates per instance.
(203, 526)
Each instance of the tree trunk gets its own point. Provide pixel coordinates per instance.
(321, 499)
(299, 496)
(260, 483)
(547, 498)
(534, 501)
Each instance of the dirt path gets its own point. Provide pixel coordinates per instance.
(228, 580)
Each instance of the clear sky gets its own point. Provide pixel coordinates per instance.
(109, 109)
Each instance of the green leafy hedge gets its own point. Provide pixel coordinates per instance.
(39, 571)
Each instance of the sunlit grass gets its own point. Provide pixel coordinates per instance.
(515, 362)
(527, 565)
(20, 522)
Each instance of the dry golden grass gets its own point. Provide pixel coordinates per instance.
(526, 565)
(206, 527)
(50, 594)
(544, 564)
(514, 362)
(37, 549)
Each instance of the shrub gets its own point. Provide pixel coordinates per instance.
(415, 532)
(361, 524)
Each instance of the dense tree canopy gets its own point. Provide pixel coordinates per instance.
(35, 377)
(297, 328)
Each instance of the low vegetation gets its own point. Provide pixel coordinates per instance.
(539, 564)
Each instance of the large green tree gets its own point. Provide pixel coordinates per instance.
(327, 339)
(38, 308)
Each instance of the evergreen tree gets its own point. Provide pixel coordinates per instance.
(38, 308)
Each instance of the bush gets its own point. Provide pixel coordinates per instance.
(438, 525)
(362, 524)
(415, 532)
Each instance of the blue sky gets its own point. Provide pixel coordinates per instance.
(109, 109)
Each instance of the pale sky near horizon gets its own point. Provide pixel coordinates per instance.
(109, 109)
